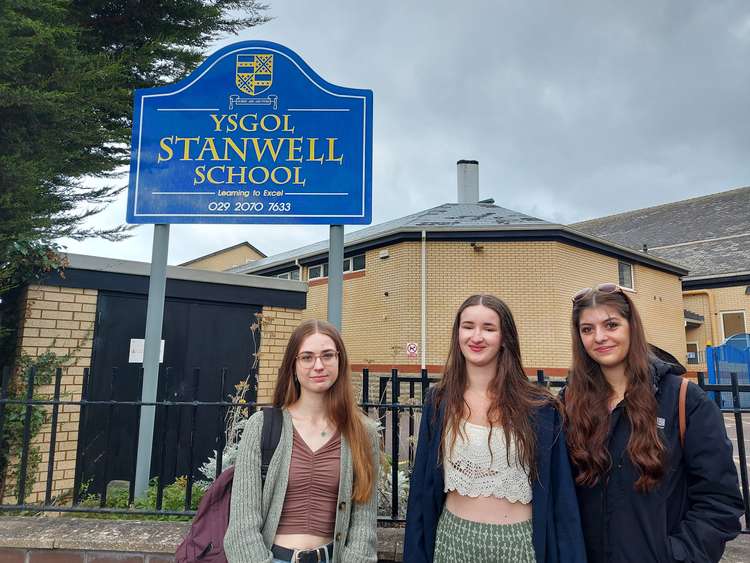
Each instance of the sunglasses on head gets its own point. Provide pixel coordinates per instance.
(601, 288)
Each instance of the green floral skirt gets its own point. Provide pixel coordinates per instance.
(460, 540)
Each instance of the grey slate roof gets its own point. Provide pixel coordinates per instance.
(450, 216)
(447, 218)
(710, 234)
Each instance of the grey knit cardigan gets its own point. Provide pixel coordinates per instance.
(256, 510)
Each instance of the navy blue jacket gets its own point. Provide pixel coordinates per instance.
(696, 507)
(557, 534)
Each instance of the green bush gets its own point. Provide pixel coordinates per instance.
(173, 499)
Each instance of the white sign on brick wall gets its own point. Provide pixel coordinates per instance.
(412, 349)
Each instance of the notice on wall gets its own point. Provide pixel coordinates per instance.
(135, 355)
(412, 349)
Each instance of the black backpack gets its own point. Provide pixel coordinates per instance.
(204, 542)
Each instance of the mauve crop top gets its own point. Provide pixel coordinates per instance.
(313, 489)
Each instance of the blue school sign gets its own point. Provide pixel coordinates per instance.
(253, 135)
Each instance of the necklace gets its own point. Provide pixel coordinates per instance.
(323, 434)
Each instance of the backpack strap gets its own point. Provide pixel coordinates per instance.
(681, 409)
(270, 436)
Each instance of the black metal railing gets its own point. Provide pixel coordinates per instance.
(715, 391)
(397, 407)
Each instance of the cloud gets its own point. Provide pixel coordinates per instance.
(574, 109)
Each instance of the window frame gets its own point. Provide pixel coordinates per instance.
(348, 267)
(721, 324)
(630, 287)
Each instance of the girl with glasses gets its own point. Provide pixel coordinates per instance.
(643, 495)
(491, 480)
(318, 502)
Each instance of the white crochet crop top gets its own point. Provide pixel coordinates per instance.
(471, 471)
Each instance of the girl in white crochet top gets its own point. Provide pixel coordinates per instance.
(490, 441)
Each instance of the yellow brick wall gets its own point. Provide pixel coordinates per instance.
(724, 299)
(656, 294)
(277, 325)
(59, 320)
(377, 327)
(226, 259)
(536, 279)
(732, 299)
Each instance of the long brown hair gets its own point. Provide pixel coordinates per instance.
(340, 405)
(587, 401)
(514, 397)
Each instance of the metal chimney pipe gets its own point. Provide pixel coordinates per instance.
(468, 181)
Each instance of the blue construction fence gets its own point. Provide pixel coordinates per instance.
(721, 362)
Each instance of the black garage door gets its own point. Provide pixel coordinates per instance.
(205, 336)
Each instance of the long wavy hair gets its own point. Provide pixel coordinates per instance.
(587, 401)
(514, 397)
(341, 407)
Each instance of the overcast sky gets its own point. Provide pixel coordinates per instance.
(573, 109)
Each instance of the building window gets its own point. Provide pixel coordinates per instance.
(351, 264)
(625, 273)
(732, 322)
(355, 263)
(694, 355)
(319, 271)
(290, 275)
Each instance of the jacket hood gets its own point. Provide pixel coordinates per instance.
(661, 368)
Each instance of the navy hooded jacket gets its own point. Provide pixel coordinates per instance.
(692, 512)
(556, 526)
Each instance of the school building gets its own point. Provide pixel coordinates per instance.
(405, 278)
(708, 235)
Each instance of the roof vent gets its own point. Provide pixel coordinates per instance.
(468, 181)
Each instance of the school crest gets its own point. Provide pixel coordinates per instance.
(254, 73)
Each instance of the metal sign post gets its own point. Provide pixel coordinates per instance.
(154, 315)
(335, 274)
(253, 135)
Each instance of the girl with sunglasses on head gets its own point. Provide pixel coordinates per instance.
(491, 480)
(318, 502)
(643, 496)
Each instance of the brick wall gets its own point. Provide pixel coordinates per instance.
(725, 299)
(58, 320)
(536, 279)
(277, 325)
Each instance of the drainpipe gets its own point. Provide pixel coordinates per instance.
(711, 312)
(423, 305)
(296, 262)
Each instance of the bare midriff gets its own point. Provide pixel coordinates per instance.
(487, 510)
(301, 541)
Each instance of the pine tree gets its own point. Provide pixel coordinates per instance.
(68, 70)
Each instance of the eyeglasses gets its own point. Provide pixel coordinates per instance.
(601, 288)
(307, 359)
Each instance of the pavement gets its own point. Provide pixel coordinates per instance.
(738, 550)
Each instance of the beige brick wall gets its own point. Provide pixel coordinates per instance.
(226, 259)
(277, 325)
(59, 320)
(536, 279)
(732, 299)
(725, 299)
